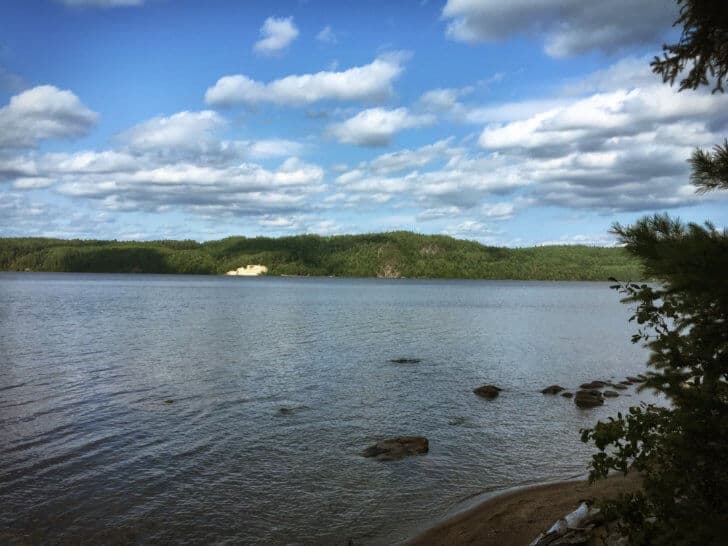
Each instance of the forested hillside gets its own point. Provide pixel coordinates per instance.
(395, 254)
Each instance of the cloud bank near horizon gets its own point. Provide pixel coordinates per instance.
(372, 144)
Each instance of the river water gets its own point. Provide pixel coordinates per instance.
(90, 452)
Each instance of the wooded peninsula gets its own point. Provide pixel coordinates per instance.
(390, 255)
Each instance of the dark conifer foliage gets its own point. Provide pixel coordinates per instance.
(702, 48)
(681, 448)
(710, 170)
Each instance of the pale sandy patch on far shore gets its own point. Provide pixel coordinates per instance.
(248, 271)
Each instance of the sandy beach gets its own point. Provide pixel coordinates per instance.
(516, 518)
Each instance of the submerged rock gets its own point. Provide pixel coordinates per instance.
(626, 382)
(405, 360)
(619, 386)
(610, 394)
(593, 385)
(567, 394)
(457, 421)
(553, 389)
(634, 379)
(397, 448)
(488, 391)
(169, 401)
(588, 398)
(290, 410)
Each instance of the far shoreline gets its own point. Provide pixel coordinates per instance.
(399, 254)
(236, 278)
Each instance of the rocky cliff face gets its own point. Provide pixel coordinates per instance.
(388, 271)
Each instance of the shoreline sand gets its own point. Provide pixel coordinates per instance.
(517, 516)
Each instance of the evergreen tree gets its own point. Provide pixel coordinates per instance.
(680, 449)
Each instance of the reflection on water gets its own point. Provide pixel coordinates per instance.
(202, 409)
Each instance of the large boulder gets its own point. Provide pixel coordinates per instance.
(553, 389)
(588, 398)
(397, 448)
(488, 391)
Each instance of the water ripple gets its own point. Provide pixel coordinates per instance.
(155, 409)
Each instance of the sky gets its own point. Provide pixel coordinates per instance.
(511, 123)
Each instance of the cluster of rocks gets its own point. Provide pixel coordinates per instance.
(590, 395)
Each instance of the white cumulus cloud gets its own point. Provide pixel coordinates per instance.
(569, 26)
(361, 83)
(170, 162)
(623, 149)
(181, 130)
(196, 135)
(327, 35)
(377, 126)
(450, 178)
(43, 112)
(408, 159)
(276, 35)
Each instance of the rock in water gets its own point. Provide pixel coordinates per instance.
(397, 448)
(405, 360)
(593, 385)
(488, 391)
(553, 389)
(169, 401)
(588, 398)
(611, 394)
(567, 394)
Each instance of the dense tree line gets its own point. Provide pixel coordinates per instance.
(395, 254)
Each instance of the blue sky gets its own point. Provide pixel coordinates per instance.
(512, 123)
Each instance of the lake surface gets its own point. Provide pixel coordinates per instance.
(90, 452)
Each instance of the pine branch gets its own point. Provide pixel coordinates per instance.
(710, 171)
